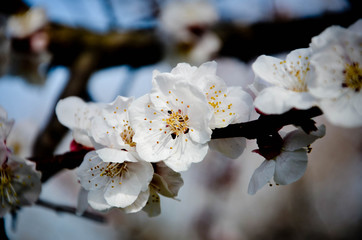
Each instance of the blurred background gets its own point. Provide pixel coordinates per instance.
(98, 49)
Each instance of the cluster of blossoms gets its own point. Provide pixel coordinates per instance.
(141, 145)
(20, 183)
(328, 74)
(138, 147)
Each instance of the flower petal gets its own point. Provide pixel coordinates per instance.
(166, 181)
(230, 147)
(299, 139)
(139, 203)
(261, 176)
(96, 200)
(290, 166)
(115, 155)
(276, 100)
(124, 191)
(153, 207)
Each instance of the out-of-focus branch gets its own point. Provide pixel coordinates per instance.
(269, 124)
(71, 210)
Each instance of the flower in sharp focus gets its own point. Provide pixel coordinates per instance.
(166, 182)
(19, 181)
(338, 65)
(290, 164)
(171, 124)
(283, 84)
(115, 179)
(77, 115)
(111, 128)
(228, 104)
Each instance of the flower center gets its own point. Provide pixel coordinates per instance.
(7, 192)
(114, 169)
(353, 76)
(127, 135)
(177, 122)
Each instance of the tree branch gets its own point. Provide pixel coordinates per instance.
(268, 124)
(50, 165)
(71, 210)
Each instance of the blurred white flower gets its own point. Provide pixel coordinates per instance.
(185, 28)
(290, 164)
(5, 124)
(178, 18)
(171, 124)
(338, 65)
(23, 25)
(115, 179)
(19, 181)
(228, 104)
(283, 83)
(77, 115)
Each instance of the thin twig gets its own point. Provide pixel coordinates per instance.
(71, 210)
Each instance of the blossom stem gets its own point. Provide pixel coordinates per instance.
(71, 210)
(268, 124)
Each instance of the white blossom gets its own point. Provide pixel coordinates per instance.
(171, 124)
(290, 165)
(338, 65)
(115, 179)
(113, 174)
(283, 83)
(77, 115)
(229, 104)
(111, 127)
(19, 181)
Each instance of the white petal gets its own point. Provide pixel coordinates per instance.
(89, 174)
(356, 27)
(261, 176)
(124, 191)
(328, 36)
(275, 100)
(67, 108)
(345, 111)
(185, 154)
(82, 203)
(329, 65)
(299, 139)
(230, 147)
(267, 69)
(96, 200)
(144, 172)
(114, 155)
(153, 207)
(107, 128)
(290, 166)
(242, 103)
(139, 203)
(169, 182)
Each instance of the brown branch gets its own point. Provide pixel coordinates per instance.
(50, 165)
(269, 124)
(71, 210)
